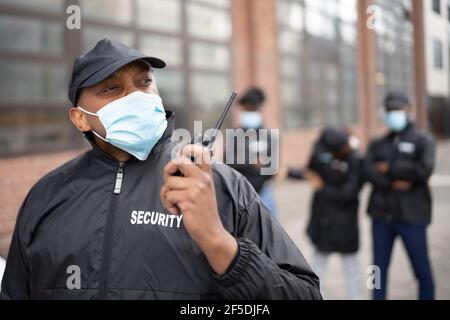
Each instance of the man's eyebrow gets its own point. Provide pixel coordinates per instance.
(105, 81)
(110, 77)
(114, 75)
(146, 70)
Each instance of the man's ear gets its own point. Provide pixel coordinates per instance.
(79, 119)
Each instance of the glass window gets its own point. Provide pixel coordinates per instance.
(317, 5)
(318, 62)
(164, 15)
(448, 10)
(170, 86)
(320, 25)
(438, 57)
(209, 90)
(291, 67)
(291, 95)
(394, 47)
(167, 48)
(347, 11)
(93, 34)
(53, 6)
(117, 11)
(208, 23)
(22, 131)
(290, 42)
(294, 112)
(210, 56)
(30, 35)
(290, 14)
(218, 3)
(437, 6)
(32, 83)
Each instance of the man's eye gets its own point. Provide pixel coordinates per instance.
(109, 89)
(148, 80)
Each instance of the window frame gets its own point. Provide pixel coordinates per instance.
(308, 118)
(438, 54)
(436, 6)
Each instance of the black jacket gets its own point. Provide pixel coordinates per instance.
(127, 246)
(333, 224)
(248, 151)
(411, 157)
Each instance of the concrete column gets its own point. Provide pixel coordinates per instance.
(420, 80)
(367, 70)
(255, 53)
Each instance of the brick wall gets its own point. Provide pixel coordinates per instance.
(17, 176)
(256, 63)
(255, 54)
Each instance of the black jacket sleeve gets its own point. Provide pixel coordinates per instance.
(370, 173)
(15, 283)
(295, 174)
(269, 265)
(416, 171)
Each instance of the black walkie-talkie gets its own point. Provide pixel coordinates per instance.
(208, 140)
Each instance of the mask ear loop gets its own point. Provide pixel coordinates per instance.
(99, 136)
(88, 112)
(95, 115)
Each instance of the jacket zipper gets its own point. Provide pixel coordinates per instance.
(107, 245)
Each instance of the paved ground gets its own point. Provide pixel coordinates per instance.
(402, 284)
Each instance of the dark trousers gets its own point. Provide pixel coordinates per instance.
(414, 238)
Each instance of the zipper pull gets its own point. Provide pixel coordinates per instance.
(119, 178)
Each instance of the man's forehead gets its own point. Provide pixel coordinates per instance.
(138, 66)
(135, 67)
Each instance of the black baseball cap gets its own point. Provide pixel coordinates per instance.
(395, 100)
(253, 97)
(334, 138)
(102, 61)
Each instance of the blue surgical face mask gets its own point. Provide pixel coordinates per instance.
(134, 123)
(397, 120)
(251, 120)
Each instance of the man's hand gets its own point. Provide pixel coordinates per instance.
(401, 185)
(193, 196)
(315, 180)
(382, 167)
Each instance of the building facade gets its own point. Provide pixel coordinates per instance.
(320, 63)
(437, 44)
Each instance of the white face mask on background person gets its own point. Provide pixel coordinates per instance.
(354, 142)
(397, 120)
(251, 119)
(134, 123)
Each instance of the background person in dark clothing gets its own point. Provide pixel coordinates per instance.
(251, 119)
(334, 172)
(399, 165)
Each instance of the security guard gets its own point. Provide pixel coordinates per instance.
(116, 223)
(255, 147)
(399, 166)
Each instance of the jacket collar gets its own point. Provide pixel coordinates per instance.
(102, 155)
(410, 126)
